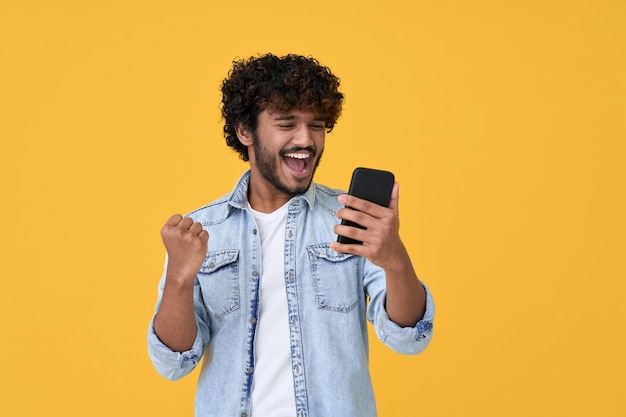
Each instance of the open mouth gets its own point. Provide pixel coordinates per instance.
(298, 162)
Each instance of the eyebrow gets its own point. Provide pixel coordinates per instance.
(293, 117)
(286, 117)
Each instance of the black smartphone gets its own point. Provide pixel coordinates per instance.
(369, 184)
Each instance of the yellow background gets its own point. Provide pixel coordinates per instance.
(504, 123)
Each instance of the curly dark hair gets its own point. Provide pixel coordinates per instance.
(279, 84)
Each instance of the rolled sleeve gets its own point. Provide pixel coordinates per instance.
(407, 340)
(170, 364)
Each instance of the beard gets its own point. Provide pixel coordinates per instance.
(267, 164)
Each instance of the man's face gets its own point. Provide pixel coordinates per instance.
(287, 147)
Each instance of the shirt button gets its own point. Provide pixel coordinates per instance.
(254, 231)
(255, 274)
(290, 233)
(296, 369)
(244, 415)
(211, 264)
(250, 370)
(252, 320)
(290, 276)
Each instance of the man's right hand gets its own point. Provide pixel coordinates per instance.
(186, 243)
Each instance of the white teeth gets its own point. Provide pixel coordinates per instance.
(298, 155)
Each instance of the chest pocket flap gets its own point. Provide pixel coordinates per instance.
(216, 260)
(218, 278)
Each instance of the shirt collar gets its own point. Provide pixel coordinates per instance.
(239, 196)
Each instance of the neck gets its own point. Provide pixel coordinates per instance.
(265, 204)
(263, 196)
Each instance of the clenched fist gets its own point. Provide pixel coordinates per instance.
(186, 243)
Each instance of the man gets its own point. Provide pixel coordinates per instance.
(257, 284)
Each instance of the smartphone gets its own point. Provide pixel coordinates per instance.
(369, 184)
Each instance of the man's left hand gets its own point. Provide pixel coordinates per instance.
(381, 240)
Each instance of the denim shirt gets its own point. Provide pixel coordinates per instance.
(329, 297)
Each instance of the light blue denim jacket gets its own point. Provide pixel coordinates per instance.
(327, 295)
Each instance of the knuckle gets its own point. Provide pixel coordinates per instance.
(359, 217)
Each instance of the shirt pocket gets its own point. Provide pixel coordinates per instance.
(335, 278)
(218, 278)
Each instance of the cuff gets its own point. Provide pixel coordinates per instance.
(408, 340)
(170, 364)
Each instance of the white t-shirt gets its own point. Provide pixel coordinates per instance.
(273, 393)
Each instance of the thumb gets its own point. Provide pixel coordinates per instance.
(395, 192)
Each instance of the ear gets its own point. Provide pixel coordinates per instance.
(244, 135)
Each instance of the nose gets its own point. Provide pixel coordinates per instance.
(302, 136)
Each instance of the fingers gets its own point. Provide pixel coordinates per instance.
(184, 224)
(179, 221)
(369, 216)
(380, 224)
(369, 207)
(186, 243)
(351, 232)
(356, 216)
(195, 228)
(358, 204)
(174, 220)
(345, 248)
